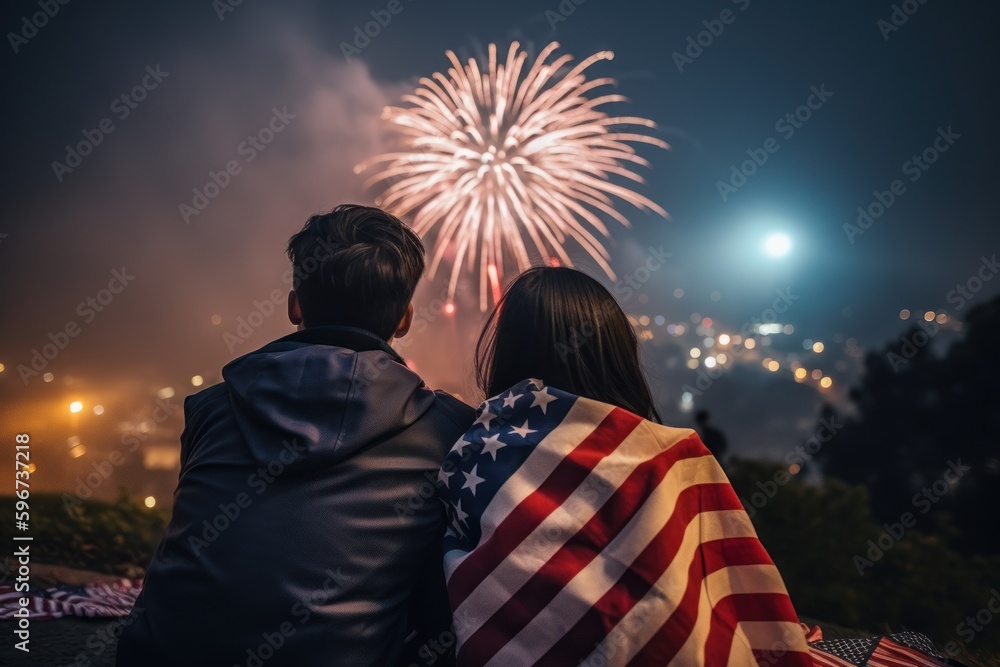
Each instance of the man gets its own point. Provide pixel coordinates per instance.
(305, 529)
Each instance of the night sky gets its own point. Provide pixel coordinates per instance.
(170, 291)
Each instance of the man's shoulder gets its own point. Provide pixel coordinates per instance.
(208, 399)
(454, 410)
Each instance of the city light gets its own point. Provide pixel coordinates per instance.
(150, 501)
(75, 406)
(197, 380)
(818, 347)
(826, 383)
(98, 409)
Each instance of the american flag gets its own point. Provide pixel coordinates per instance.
(904, 649)
(93, 600)
(581, 533)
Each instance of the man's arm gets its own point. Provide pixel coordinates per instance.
(431, 639)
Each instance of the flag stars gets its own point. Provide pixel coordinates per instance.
(523, 429)
(492, 445)
(461, 445)
(510, 399)
(444, 477)
(461, 516)
(455, 530)
(486, 417)
(472, 479)
(542, 399)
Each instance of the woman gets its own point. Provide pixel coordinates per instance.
(581, 530)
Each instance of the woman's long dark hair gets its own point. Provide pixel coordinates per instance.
(563, 327)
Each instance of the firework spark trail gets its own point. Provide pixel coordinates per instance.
(489, 157)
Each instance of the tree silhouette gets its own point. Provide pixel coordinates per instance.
(926, 438)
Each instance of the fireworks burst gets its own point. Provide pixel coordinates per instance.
(503, 160)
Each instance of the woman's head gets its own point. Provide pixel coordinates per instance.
(563, 327)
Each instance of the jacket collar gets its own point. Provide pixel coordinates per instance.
(351, 338)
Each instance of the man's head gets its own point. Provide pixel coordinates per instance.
(355, 266)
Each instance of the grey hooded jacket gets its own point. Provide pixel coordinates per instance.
(305, 529)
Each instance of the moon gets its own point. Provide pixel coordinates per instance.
(777, 244)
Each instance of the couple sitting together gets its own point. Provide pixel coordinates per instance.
(333, 510)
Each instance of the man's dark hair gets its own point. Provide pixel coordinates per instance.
(355, 266)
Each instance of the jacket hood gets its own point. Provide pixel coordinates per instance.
(322, 394)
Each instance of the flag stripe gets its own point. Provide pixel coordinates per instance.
(581, 549)
(638, 625)
(516, 526)
(598, 577)
(752, 606)
(648, 568)
(601, 539)
(550, 535)
(824, 659)
(892, 654)
(581, 418)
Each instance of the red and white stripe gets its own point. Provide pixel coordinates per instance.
(891, 654)
(617, 542)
